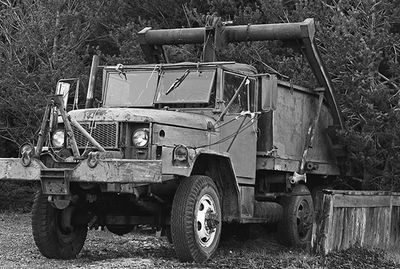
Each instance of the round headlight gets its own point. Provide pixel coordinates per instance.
(140, 137)
(58, 139)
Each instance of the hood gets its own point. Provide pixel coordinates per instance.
(167, 117)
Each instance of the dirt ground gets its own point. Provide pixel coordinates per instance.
(142, 250)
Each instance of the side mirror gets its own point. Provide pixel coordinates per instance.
(63, 89)
(269, 92)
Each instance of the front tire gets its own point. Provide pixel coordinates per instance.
(52, 240)
(196, 219)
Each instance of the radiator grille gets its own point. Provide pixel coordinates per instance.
(105, 133)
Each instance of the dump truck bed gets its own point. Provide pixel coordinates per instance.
(283, 133)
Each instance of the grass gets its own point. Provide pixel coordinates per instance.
(104, 249)
(17, 196)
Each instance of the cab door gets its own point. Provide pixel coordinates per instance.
(238, 129)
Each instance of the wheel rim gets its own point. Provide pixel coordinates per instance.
(206, 221)
(303, 218)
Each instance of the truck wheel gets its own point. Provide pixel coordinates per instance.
(196, 219)
(119, 229)
(53, 241)
(296, 224)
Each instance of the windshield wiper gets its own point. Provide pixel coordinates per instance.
(178, 82)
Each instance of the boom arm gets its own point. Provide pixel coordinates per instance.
(215, 36)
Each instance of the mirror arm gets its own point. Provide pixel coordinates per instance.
(76, 97)
(232, 99)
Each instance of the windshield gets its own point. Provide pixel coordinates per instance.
(182, 86)
(135, 88)
(130, 89)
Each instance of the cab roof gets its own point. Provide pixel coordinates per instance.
(229, 66)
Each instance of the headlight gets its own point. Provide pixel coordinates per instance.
(140, 137)
(181, 153)
(58, 138)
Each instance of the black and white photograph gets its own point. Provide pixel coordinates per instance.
(200, 134)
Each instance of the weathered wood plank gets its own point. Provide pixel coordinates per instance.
(386, 226)
(327, 223)
(360, 201)
(363, 224)
(338, 227)
(369, 227)
(317, 220)
(395, 227)
(361, 193)
(357, 218)
(348, 228)
(396, 200)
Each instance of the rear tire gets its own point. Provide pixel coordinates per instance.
(196, 219)
(296, 225)
(52, 241)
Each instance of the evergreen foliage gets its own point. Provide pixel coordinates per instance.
(44, 41)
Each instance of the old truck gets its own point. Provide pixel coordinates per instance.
(187, 147)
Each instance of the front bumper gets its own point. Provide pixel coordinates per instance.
(106, 171)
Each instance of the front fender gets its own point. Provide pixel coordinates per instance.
(186, 169)
(220, 168)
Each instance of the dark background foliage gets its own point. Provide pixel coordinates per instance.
(44, 41)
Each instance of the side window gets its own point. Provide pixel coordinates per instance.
(245, 99)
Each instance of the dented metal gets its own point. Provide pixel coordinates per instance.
(106, 171)
(13, 169)
(168, 117)
(119, 171)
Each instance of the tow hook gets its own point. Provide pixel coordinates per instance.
(296, 178)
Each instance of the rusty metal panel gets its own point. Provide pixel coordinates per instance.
(172, 118)
(12, 169)
(119, 171)
(247, 201)
(279, 164)
(55, 181)
(55, 187)
(241, 148)
(170, 169)
(296, 109)
(169, 136)
(288, 165)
